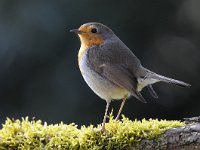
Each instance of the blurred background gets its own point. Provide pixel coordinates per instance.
(39, 74)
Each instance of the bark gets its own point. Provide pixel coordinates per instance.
(182, 138)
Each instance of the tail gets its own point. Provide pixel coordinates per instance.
(168, 80)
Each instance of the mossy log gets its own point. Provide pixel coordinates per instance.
(124, 134)
(182, 138)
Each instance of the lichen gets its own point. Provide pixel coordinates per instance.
(34, 134)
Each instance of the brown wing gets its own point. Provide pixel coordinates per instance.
(110, 65)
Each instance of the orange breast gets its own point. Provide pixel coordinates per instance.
(87, 41)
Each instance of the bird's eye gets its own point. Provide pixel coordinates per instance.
(94, 30)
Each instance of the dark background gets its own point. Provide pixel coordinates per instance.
(39, 74)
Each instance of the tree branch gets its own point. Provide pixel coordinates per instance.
(124, 134)
(186, 137)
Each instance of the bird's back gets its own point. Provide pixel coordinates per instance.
(121, 55)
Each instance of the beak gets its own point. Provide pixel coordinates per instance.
(76, 31)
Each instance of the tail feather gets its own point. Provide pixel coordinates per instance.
(169, 80)
(152, 91)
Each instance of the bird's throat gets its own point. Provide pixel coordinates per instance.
(88, 42)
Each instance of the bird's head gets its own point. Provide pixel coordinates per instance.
(93, 33)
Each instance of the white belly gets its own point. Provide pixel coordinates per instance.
(101, 86)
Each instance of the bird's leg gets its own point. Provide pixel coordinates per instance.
(121, 107)
(103, 129)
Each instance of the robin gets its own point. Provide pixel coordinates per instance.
(111, 69)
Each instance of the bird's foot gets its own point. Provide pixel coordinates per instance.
(103, 131)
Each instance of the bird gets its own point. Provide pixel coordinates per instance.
(111, 69)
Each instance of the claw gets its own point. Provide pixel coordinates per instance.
(103, 131)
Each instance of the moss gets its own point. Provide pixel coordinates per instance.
(26, 134)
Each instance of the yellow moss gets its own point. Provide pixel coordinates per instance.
(26, 134)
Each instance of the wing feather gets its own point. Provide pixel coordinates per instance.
(110, 65)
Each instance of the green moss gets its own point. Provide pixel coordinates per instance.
(26, 134)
